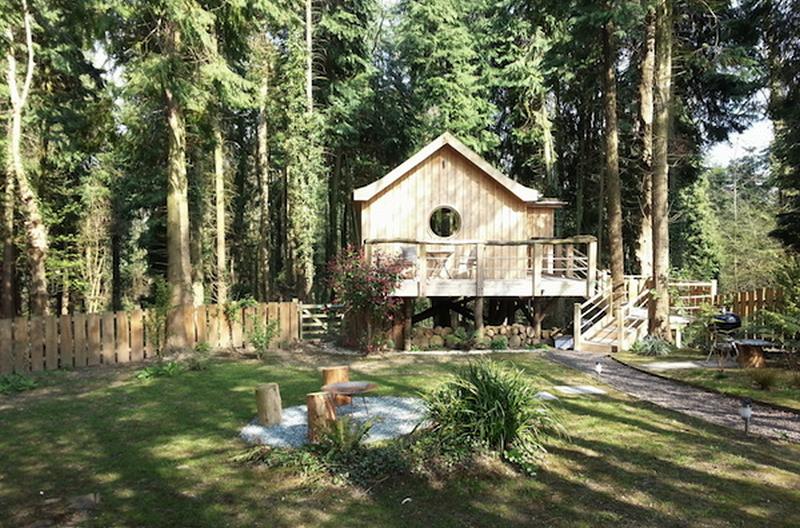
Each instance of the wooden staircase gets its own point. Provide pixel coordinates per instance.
(598, 329)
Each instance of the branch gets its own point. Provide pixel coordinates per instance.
(29, 43)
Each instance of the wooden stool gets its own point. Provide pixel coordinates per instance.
(268, 402)
(337, 374)
(321, 412)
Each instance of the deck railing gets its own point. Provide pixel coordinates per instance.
(536, 267)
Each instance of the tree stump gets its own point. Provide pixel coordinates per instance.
(268, 402)
(321, 412)
(337, 374)
(750, 356)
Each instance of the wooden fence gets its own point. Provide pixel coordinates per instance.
(747, 303)
(690, 296)
(320, 321)
(79, 340)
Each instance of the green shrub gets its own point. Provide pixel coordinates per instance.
(795, 381)
(763, 379)
(200, 359)
(652, 346)
(160, 370)
(453, 341)
(499, 343)
(10, 383)
(461, 333)
(343, 435)
(262, 335)
(488, 404)
(481, 343)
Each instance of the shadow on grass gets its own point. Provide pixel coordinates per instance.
(158, 454)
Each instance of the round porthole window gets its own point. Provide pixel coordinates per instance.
(445, 221)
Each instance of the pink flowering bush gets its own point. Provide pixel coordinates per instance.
(364, 288)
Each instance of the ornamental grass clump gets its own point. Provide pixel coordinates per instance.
(763, 379)
(488, 405)
(652, 346)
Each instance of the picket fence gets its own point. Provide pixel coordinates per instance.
(79, 340)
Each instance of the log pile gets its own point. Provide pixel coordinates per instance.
(438, 338)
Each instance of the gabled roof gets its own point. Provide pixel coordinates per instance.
(526, 194)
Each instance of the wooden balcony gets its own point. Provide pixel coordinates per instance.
(545, 267)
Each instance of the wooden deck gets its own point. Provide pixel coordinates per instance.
(545, 267)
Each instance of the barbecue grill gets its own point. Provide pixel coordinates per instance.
(722, 328)
(726, 322)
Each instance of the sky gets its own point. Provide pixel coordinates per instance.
(757, 137)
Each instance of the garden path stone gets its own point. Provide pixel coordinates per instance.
(544, 395)
(660, 366)
(391, 417)
(577, 390)
(676, 396)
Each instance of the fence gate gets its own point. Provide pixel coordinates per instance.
(320, 321)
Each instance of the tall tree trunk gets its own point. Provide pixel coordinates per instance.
(7, 282)
(35, 230)
(309, 58)
(179, 265)
(659, 310)
(332, 239)
(262, 168)
(548, 148)
(614, 199)
(219, 208)
(644, 246)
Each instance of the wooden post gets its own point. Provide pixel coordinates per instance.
(80, 339)
(538, 317)
(577, 315)
(51, 342)
(408, 318)
(36, 340)
(620, 320)
(66, 341)
(337, 374)
(268, 402)
(480, 259)
(570, 261)
(108, 356)
(479, 316)
(422, 278)
(137, 335)
(321, 412)
(591, 270)
(538, 254)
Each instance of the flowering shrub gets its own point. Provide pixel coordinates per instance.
(364, 289)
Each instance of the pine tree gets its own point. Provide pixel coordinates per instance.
(659, 305)
(439, 56)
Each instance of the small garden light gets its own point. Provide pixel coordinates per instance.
(746, 412)
(598, 368)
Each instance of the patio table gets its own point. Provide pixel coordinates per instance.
(351, 388)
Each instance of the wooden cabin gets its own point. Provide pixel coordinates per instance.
(468, 231)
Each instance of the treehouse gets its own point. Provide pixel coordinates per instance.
(468, 232)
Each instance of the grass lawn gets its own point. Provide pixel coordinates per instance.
(734, 381)
(158, 454)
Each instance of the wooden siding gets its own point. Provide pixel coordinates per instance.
(540, 222)
(488, 211)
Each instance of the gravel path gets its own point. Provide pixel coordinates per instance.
(709, 406)
(390, 417)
